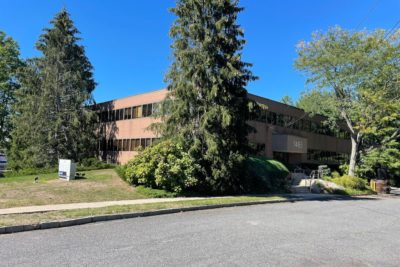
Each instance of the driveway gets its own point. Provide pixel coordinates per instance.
(309, 233)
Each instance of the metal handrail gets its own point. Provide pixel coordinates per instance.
(313, 175)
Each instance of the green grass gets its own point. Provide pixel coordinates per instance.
(99, 185)
(354, 192)
(34, 218)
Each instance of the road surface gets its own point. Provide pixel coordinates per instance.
(309, 233)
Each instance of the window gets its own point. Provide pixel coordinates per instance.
(156, 108)
(117, 114)
(326, 156)
(143, 143)
(119, 145)
(148, 142)
(135, 143)
(128, 114)
(137, 112)
(126, 145)
(271, 119)
(112, 115)
(144, 112)
(147, 110)
(280, 120)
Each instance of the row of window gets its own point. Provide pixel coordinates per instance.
(299, 124)
(128, 113)
(126, 144)
(327, 156)
(262, 116)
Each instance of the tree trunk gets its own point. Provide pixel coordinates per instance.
(353, 154)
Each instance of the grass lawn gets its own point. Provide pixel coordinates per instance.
(99, 185)
(33, 218)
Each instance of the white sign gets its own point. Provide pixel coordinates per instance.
(66, 169)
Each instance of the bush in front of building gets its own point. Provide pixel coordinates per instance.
(167, 166)
(164, 165)
(351, 182)
(89, 164)
(266, 175)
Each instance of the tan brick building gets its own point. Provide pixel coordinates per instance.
(283, 132)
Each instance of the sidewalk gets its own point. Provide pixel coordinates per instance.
(72, 206)
(88, 205)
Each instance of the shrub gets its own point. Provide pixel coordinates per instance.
(163, 166)
(266, 175)
(335, 174)
(121, 171)
(88, 164)
(351, 182)
(154, 193)
(168, 167)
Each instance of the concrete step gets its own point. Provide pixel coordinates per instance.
(302, 182)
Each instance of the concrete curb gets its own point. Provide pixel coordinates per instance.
(100, 218)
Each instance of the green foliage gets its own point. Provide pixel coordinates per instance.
(351, 182)
(355, 75)
(30, 171)
(207, 86)
(335, 174)
(155, 193)
(287, 100)
(53, 115)
(164, 165)
(9, 66)
(265, 175)
(87, 164)
(121, 171)
(386, 157)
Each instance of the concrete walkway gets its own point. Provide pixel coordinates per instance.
(73, 206)
(88, 205)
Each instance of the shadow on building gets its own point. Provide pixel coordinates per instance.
(107, 132)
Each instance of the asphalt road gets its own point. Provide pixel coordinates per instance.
(311, 233)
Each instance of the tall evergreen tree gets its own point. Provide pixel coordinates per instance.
(9, 65)
(207, 86)
(58, 101)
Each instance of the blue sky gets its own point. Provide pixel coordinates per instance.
(128, 44)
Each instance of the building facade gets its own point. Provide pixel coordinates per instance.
(283, 132)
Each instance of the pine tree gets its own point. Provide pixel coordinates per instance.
(58, 101)
(207, 85)
(9, 65)
(28, 147)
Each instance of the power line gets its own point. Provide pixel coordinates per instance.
(392, 30)
(370, 11)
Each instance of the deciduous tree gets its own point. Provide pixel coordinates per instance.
(9, 65)
(355, 74)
